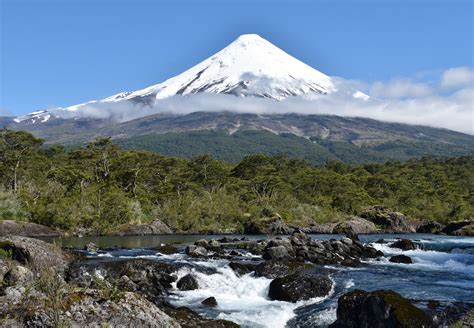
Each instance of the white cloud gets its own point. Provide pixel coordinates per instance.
(400, 89)
(403, 101)
(457, 77)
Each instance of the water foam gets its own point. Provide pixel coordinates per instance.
(240, 299)
(429, 259)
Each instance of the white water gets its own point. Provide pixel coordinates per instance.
(240, 299)
(428, 260)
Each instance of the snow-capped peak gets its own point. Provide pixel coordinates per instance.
(249, 66)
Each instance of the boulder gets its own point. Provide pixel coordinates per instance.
(147, 277)
(155, 228)
(241, 269)
(356, 225)
(276, 253)
(320, 228)
(404, 244)
(273, 226)
(460, 228)
(388, 220)
(378, 309)
(35, 253)
(299, 238)
(210, 302)
(188, 282)
(429, 227)
(278, 269)
(401, 259)
(91, 309)
(25, 229)
(166, 249)
(202, 243)
(299, 286)
(196, 251)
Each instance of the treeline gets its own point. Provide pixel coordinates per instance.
(100, 187)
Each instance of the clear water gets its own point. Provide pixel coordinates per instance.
(443, 269)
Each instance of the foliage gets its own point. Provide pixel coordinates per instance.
(101, 186)
(234, 147)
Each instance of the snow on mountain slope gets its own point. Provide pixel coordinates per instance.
(248, 67)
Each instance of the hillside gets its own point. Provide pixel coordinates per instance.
(231, 136)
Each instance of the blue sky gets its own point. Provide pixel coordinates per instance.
(64, 52)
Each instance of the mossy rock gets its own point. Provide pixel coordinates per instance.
(381, 308)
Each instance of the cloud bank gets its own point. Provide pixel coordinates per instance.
(445, 102)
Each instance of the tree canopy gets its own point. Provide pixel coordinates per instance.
(101, 186)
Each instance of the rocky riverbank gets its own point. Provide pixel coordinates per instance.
(374, 220)
(45, 286)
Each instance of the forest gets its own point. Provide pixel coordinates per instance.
(100, 186)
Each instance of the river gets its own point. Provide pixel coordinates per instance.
(443, 269)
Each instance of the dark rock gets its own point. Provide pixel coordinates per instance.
(299, 286)
(155, 228)
(166, 249)
(299, 238)
(378, 309)
(225, 240)
(278, 269)
(202, 243)
(276, 253)
(187, 318)
(188, 282)
(388, 220)
(196, 251)
(460, 228)
(429, 227)
(210, 302)
(401, 259)
(241, 269)
(25, 229)
(147, 277)
(451, 314)
(404, 244)
(380, 241)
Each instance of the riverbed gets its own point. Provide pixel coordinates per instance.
(442, 269)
